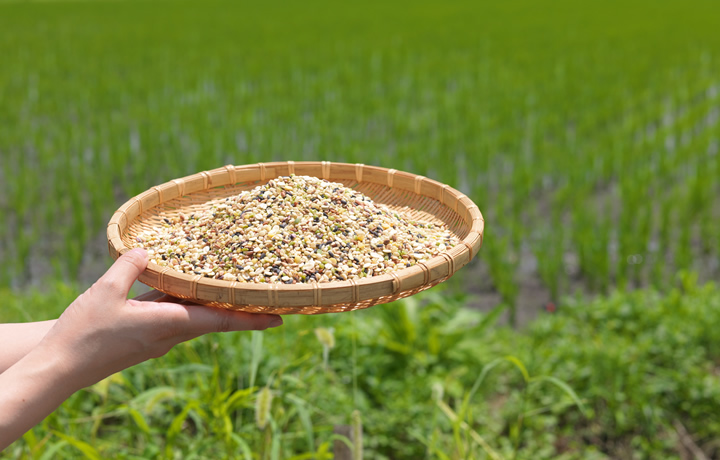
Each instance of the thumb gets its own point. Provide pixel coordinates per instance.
(123, 273)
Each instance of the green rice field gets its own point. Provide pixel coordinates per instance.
(588, 133)
(588, 136)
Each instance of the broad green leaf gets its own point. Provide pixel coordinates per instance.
(304, 414)
(243, 445)
(52, 450)
(238, 399)
(87, 450)
(564, 387)
(256, 348)
(178, 421)
(148, 399)
(139, 419)
(519, 365)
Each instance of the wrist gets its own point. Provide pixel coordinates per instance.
(69, 369)
(41, 371)
(30, 390)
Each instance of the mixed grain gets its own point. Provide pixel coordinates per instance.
(294, 229)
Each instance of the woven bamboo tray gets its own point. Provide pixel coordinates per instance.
(415, 197)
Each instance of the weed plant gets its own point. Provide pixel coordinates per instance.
(614, 378)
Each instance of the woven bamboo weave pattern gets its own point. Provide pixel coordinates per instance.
(412, 196)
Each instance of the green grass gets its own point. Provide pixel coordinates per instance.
(600, 120)
(609, 378)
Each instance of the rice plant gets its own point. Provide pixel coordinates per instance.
(526, 108)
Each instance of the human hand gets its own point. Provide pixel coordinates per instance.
(102, 332)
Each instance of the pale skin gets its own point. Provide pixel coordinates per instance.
(100, 333)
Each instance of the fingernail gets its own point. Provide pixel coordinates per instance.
(275, 322)
(141, 251)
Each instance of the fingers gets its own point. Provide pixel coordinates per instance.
(195, 320)
(120, 277)
(152, 296)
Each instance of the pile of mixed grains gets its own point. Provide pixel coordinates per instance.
(294, 229)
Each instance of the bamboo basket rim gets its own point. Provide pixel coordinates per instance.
(406, 189)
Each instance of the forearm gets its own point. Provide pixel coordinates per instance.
(30, 390)
(17, 339)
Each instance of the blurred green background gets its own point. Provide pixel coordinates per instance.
(587, 133)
